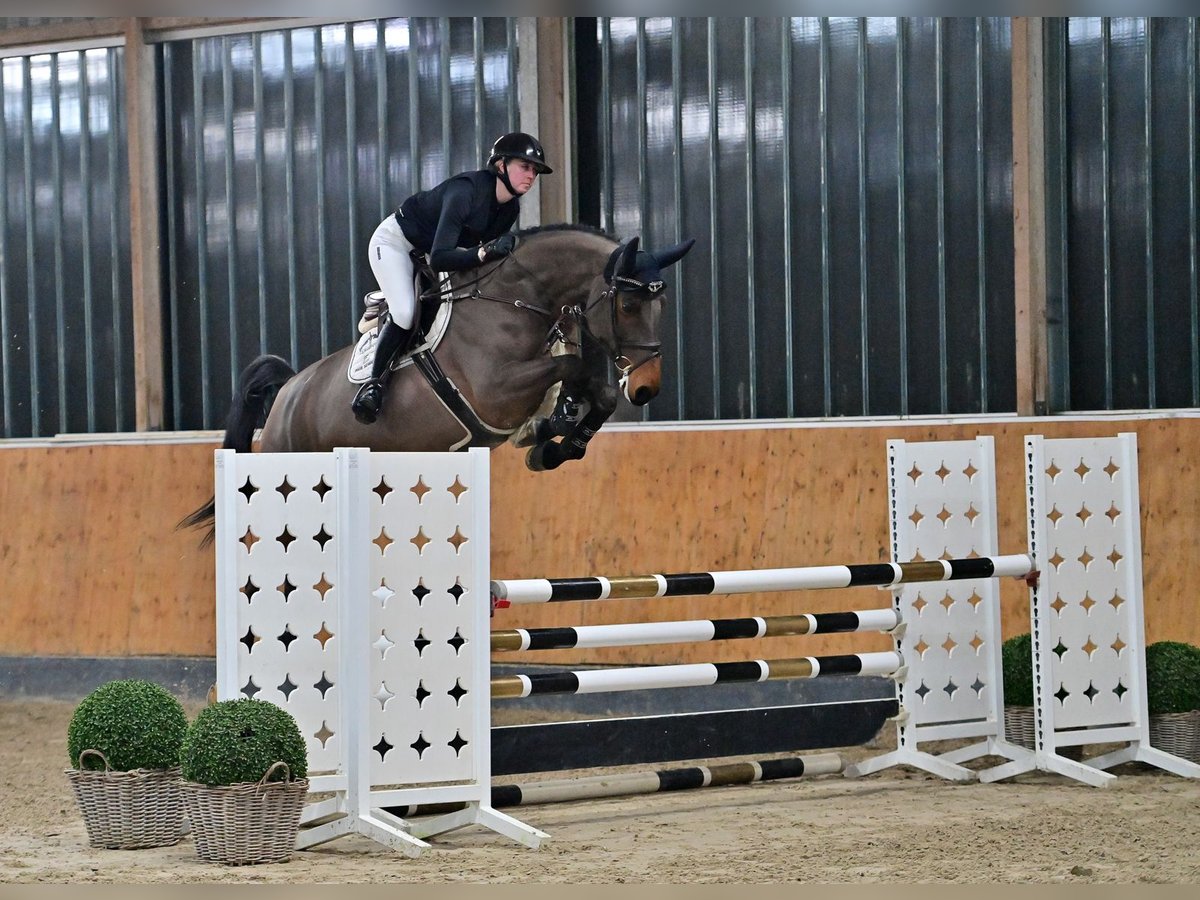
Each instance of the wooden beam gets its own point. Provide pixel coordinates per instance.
(141, 93)
(529, 106)
(80, 30)
(552, 118)
(1029, 216)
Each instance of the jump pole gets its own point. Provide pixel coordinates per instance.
(694, 675)
(627, 784)
(693, 631)
(748, 581)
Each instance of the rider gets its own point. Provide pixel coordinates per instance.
(462, 223)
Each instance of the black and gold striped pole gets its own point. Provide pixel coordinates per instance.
(637, 587)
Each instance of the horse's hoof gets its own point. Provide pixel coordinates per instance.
(544, 457)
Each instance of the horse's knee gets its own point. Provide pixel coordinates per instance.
(604, 400)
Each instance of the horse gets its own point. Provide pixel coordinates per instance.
(566, 305)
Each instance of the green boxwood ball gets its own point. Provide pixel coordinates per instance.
(1172, 677)
(237, 741)
(1016, 659)
(136, 724)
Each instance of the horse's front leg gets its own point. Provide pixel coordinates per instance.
(550, 454)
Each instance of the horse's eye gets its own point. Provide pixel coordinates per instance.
(629, 306)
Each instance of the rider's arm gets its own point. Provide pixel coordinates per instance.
(445, 255)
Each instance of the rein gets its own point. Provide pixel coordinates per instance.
(621, 362)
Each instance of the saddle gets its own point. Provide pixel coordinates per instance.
(432, 320)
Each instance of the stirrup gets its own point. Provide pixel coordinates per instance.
(375, 308)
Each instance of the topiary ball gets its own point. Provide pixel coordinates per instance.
(237, 741)
(135, 724)
(1016, 660)
(1172, 677)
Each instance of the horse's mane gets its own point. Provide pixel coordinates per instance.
(564, 226)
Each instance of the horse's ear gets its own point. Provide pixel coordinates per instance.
(672, 255)
(622, 260)
(628, 258)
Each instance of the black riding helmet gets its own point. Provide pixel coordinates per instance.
(522, 146)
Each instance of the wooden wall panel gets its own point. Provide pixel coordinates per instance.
(93, 566)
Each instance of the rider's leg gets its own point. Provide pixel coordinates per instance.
(388, 252)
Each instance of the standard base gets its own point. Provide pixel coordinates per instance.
(400, 834)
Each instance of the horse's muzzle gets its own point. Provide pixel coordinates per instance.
(641, 384)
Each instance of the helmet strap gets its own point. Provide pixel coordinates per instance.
(502, 174)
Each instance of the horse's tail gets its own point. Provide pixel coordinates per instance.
(259, 383)
(257, 386)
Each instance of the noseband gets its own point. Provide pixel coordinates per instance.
(621, 361)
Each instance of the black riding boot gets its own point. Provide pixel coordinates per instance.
(369, 400)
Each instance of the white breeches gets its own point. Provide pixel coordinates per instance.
(393, 268)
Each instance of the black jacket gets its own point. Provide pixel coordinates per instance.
(461, 212)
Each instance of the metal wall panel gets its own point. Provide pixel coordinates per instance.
(849, 181)
(1121, 110)
(66, 356)
(283, 152)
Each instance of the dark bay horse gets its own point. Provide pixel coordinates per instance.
(565, 286)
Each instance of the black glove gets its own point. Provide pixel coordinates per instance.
(500, 247)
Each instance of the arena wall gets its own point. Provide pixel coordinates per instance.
(94, 567)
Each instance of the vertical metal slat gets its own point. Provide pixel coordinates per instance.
(751, 214)
(30, 247)
(1194, 275)
(6, 386)
(260, 200)
(56, 176)
(1148, 87)
(642, 167)
(677, 175)
(381, 118)
(863, 212)
(785, 54)
(823, 117)
(85, 234)
(713, 203)
(981, 218)
(201, 236)
(901, 219)
(230, 207)
(940, 112)
(351, 309)
(322, 251)
(289, 181)
(1106, 194)
(479, 52)
(115, 178)
(173, 204)
(444, 93)
(606, 174)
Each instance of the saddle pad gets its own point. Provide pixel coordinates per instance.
(362, 359)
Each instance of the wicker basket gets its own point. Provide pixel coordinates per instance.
(1019, 726)
(129, 810)
(245, 824)
(1177, 733)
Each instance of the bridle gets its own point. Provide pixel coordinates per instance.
(620, 360)
(559, 329)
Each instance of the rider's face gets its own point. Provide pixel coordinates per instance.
(521, 173)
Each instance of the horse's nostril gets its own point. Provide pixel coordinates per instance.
(642, 396)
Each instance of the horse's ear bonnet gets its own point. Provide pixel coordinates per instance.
(630, 269)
